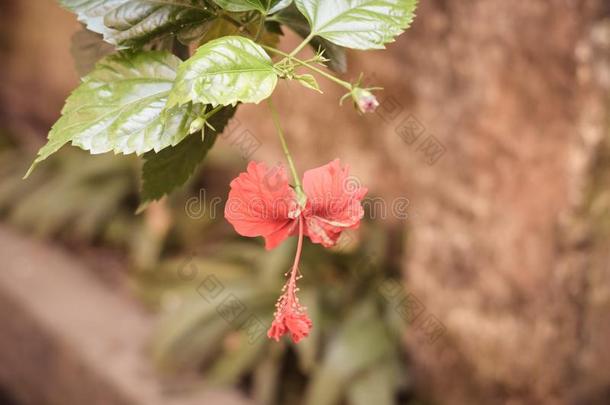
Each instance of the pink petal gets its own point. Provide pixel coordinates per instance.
(276, 331)
(274, 239)
(262, 203)
(333, 202)
(299, 326)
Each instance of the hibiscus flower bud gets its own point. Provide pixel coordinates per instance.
(364, 100)
(196, 125)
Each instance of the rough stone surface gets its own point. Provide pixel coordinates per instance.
(68, 339)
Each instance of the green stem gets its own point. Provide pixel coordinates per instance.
(230, 19)
(278, 127)
(240, 26)
(261, 26)
(213, 111)
(302, 45)
(330, 77)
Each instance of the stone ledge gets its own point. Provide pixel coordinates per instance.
(66, 339)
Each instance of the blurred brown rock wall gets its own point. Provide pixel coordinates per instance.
(503, 250)
(503, 255)
(37, 72)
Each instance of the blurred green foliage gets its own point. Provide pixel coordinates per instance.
(79, 197)
(354, 353)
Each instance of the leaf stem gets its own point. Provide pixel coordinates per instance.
(240, 26)
(261, 26)
(330, 77)
(210, 113)
(214, 110)
(278, 127)
(302, 44)
(230, 19)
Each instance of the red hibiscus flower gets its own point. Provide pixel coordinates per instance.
(262, 203)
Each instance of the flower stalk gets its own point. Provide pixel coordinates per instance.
(302, 45)
(309, 66)
(297, 183)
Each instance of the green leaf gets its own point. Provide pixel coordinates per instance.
(361, 342)
(217, 29)
(222, 28)
(267, 377)
(263, 6)
(292, 18)
(308, 81)
(235, 362)
(191, 334)
(87, 48)
(82, 194)
(377, 386)
(180, 275)
(164, 171)
(118, 108)
(136, 22)
(225, 71)
(278, 5)
(237, 6)
(92, 12)
(358, 24)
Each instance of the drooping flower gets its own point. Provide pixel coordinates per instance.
(262, 203)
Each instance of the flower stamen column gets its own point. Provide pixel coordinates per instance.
(290, 316)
